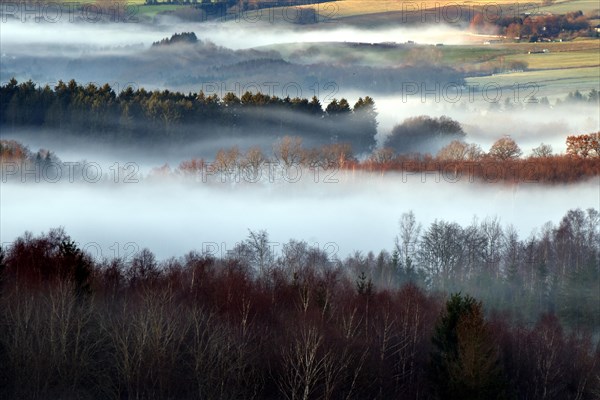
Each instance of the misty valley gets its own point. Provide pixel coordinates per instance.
(300, 200)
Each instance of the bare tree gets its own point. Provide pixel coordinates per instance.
(411, 326)
(288, 151)
(146, 340)
(294, 257)
(456, 150)
(493, 246)
(227, 163)
(387, 346)
(336, 155)
(406, 243)
(441, 252)
(545, 349)
(221, 359)
(143, 268)
(542, 151)
(194, 167)
(49, 340)
(258, 251)
(505, 149)
(474, 152)
(252, 163)
(382, 155)
(303, 366)
(474, 243)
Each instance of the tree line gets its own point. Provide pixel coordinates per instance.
(534, 103)
(503, 162)
(154, 116)
(305, 324)
(457, 161)
(537, 27)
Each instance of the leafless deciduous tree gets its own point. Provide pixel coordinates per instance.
(304, 361)
(505, 149)
(407, 241)
(50, 340)
(288, 151)
(542, 151)
(146, 336)
(441, 252)
(252, 164)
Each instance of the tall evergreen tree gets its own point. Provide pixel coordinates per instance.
(465, 362)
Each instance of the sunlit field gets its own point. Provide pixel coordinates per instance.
(348, 8)
(565, 6)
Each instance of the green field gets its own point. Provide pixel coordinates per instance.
(152, 10)
(351, 8)
(456, 56)
(563, 7)
(386, 10)
(348, 8)
(470, 57)
(569, 66)
(142, 8)
(555, 83)
(109, 3)
(557, 60)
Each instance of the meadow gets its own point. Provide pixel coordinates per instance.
(561, 7)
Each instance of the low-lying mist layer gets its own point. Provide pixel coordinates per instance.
(172, 218)
(29, 52)
(424, 80)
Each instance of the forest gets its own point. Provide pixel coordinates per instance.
(156, 117)
(452, 312)
(160, 116)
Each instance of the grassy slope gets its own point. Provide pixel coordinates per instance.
(579, 53)
(568, 66)
(394, 9)
(141, 7)
(554, 84)
(347, 8)
(565, 6)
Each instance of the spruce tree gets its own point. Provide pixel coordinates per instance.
(465, 363)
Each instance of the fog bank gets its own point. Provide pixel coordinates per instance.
(354, 214)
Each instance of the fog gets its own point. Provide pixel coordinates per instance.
(73, 148)
(171, 218)
(236, 35)
(528, 127)
(358, 213)
(120, 54)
